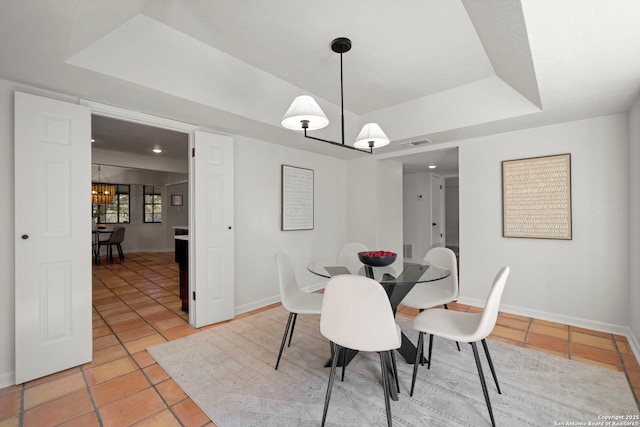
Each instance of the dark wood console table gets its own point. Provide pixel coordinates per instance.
(182, 258)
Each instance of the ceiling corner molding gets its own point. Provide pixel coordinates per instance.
(502, 30)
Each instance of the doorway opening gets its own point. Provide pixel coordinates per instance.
(430, 202)
(149, 167)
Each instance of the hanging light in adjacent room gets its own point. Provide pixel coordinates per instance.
(102, 193)
(305, 114)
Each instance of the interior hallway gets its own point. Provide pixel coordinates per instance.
(136, 305)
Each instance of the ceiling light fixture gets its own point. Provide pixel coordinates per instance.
(157, 150)
(102, 193)
(432, 166)
(305, 114)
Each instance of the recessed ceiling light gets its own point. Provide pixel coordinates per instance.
(157, 150)
(93, 140)
(432, 166)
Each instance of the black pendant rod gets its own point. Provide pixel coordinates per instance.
(341, 98)
(336, 143)
(339, 45)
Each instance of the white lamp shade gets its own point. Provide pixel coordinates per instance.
(371, 132)
(304, 107)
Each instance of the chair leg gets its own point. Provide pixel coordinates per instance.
(446, 307)
(430, 346)
(422, 351)
(344, 361)
(385, 384)
(120, 253)
(293, 326)
(284, 338)
(483, 382)
(334, 364)
(395, 369)
(493, 371)
(415, 365)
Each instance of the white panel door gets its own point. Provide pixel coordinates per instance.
(211, 233)
(52, 236)
(437, 211)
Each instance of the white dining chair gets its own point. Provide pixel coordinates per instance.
(464, 327)
(295, 300)
(356, 315)
(442, 292)
(348, 256)
(427, 295)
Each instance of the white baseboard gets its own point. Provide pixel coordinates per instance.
(315, 286)
(273, 299)
(567, 320)
(254, 305)
(133, 251)
(633, 343)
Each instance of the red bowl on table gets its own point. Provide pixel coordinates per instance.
(377, 258)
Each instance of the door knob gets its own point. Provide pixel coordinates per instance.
(434, 224)
(25, 236)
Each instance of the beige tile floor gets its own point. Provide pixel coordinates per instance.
(136, 305)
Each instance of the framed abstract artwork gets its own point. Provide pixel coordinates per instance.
(297, 198)
(536, 197)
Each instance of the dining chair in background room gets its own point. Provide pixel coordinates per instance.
(294, 299)
(442, 292)
(464, 327)
(356, 315)
(348, 256)
(115, 239)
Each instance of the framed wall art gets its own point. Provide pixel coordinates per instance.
(297, 198)
(536, 197)
(176, 200)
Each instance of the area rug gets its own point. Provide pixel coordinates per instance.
(228, 371)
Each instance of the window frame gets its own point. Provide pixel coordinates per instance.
(120, 191)
(154, 204)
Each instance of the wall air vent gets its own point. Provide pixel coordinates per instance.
(407, 251)
(417, 143)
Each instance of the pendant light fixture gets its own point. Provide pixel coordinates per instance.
(102, 193)
(305, 114)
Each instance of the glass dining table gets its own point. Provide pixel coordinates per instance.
(397, 281)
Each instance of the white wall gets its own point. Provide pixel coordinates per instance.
(389, 206)
(634, 216)
(452, 211)
(374, 204)
(177, 215)
(257, 218)
(584, 281)
(417, 213)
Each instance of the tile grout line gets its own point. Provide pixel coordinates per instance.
(570, 342)
(93, 402)
(136, 312)
(21, 415)
(526, 333)
(140, 368)
(625, 370)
